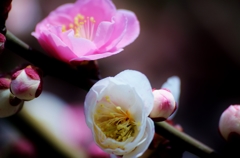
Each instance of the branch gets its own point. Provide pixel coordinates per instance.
(183, 140)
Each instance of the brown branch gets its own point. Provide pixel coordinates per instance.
(185, 141)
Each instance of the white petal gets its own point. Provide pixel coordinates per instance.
(148, 136)
(141, 84)
(174, 85)
(91, 99)
(126, 97)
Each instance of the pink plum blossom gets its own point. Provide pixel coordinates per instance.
(229, 122)
(86, 30)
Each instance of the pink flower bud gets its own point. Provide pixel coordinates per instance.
(164, 105)
(229, 122)
(9, 104)
(26, 83)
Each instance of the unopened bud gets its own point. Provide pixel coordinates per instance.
(9, 104)
(164, 105)
(27, 83)
(229, 123)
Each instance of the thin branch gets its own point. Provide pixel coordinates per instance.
(183, 140)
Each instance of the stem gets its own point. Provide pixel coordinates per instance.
(190, 144)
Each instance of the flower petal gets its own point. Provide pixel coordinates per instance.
(67, 9)
(103, 33)
(101, 10)
(141, 84)
(119, 25)
(54, 46)
(95, 56)
(81, 46)
(174, 85)
(92, 97)
(132, 30)
(148, 137)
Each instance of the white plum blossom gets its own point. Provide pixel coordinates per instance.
(116, 111)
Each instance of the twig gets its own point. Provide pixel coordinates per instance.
(190, 144)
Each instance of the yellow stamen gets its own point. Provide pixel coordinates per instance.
(63, 28)
(115, 122)
(82, 27)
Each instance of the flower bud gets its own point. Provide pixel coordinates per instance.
(27, 83)
(9, 104)
(229, 123)
(164, 105)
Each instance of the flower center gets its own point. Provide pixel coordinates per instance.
(83, 26)
(114, 122)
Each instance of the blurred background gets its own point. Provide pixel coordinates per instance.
(195, 40)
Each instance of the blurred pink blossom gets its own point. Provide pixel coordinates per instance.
(86, 30)
(77, 132)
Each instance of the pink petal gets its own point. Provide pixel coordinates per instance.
(81, 46)
(59, 20)
(65, 8)
(132, 30)
(50, 21)
(101, 10)
(95, 56)
(54, 46)
(103, 33)
(119, 25)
